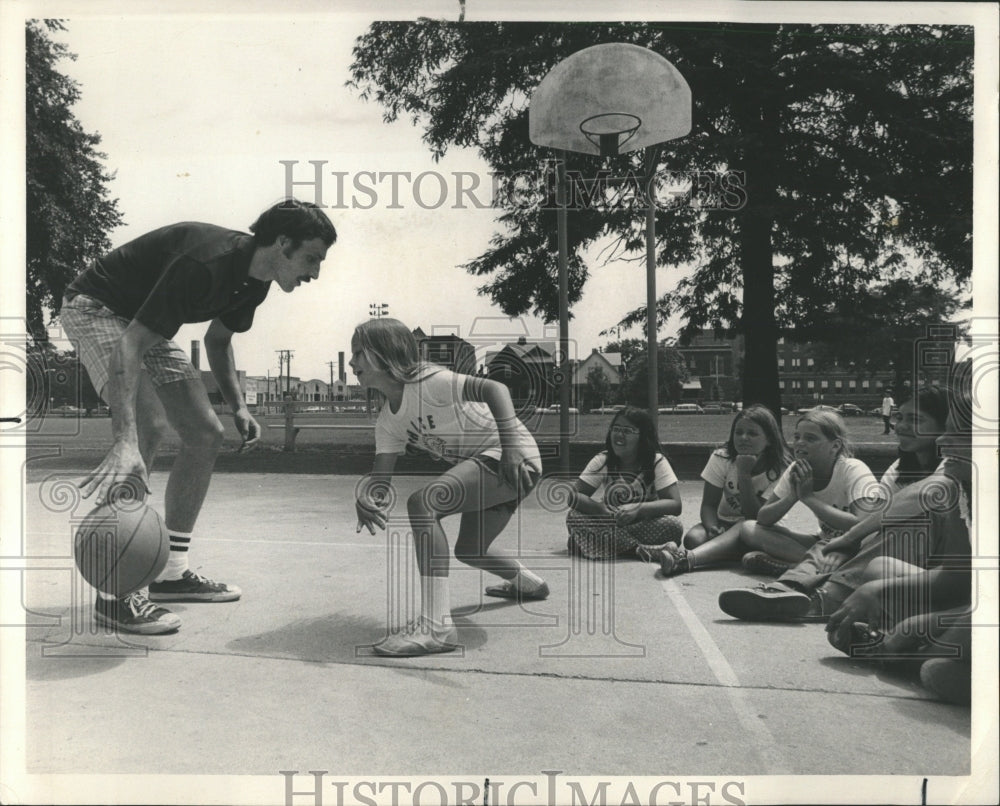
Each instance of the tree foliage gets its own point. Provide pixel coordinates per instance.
(855, 142)
(671, 371)
(69, 214)
(598, 388)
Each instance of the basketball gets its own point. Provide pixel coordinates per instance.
(121, 548)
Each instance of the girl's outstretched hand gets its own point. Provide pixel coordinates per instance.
(370, 514)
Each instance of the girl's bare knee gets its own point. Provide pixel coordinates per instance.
(696, 536)
(748, 533)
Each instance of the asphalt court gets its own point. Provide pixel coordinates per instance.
(646, 675)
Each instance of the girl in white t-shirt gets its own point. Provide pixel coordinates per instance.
(739, 476)
(839, 489)
(913, 486)
(468, 422)
(641, 500)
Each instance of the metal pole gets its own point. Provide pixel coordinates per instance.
(651, 346)
(562, 202)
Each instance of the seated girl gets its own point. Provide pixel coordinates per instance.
(834, 568)
(640, 501)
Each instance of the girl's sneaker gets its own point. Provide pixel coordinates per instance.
(765, 603)
(760, 562)
(673, 559)
(420, 637)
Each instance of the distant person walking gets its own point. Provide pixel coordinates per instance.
(887, 404)
(121, 314)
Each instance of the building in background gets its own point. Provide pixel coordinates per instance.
(715, 364)
(449, 351)
(527, 369)
(609, 365)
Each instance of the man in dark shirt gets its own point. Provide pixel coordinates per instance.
(122, 313)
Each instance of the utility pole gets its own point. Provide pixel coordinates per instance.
(285, 359)
(376, 310)
(330, 390)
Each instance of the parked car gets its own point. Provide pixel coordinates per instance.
(850, 410)
(877, 411)
(607, 409)
(729, 405)
(66, 411)
(555, 409)
(688, 408)
(713, 408)
(313, 408)
(665, 410)
(820, 407)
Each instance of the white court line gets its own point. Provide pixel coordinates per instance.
(768, 748)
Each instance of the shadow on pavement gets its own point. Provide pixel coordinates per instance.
(43, 669)
(336, 638)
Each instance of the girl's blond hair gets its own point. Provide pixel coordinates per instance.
(832, 426)
(389, 345)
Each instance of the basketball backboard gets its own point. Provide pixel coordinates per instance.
(610, 99)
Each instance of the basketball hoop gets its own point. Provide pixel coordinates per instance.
(606, 100)
(610, 131)
(610, 99)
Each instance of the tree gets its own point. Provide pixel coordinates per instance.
(671, 373)
(850, 140)
(69, 213)
(598, 388)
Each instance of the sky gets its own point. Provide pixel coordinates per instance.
(199, 114)
(198, 118)
(198, 108)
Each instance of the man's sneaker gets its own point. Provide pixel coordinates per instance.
(135, 613)
(420, 637)
(765, 603)
(760, 562)
(192, 587)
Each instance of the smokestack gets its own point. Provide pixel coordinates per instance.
(196, 355)
(340, 368)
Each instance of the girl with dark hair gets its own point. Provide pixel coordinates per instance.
(641, 500)
(905, 612)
